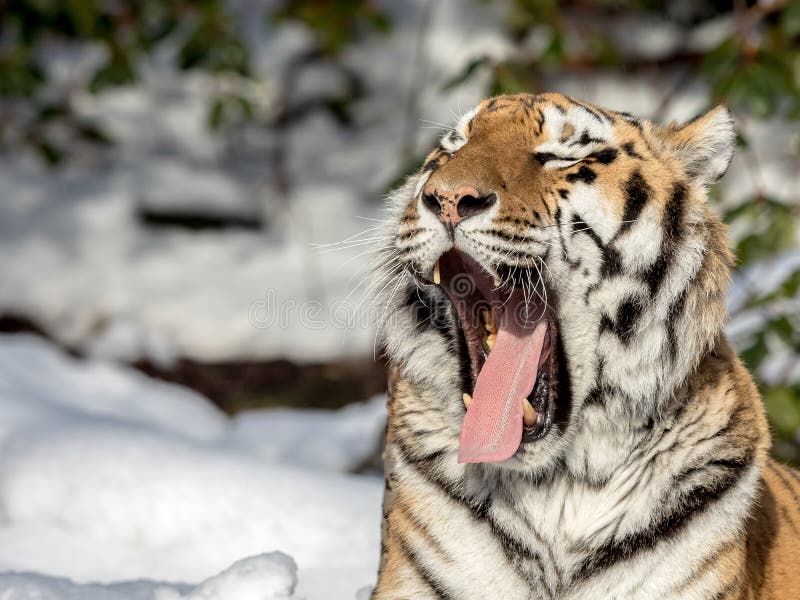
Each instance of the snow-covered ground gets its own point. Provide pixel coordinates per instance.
(107, 476)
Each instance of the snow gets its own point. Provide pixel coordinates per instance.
(270, 576)
(107, 475)
(336, 441)
(265, 577)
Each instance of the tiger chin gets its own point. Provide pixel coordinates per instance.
(566, 417)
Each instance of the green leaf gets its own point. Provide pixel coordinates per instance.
(790, 19)
(465, 74)
(50, 153)
(783, 328)
(756, 353)
(791, 284)
(117, 72)
(783, 408)
(216, 113)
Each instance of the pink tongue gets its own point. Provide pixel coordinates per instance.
(492, 429)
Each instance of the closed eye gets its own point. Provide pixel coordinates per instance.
(554, 161)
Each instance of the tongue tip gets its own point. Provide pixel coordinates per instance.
(482, 454)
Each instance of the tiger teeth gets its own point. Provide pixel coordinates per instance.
(497, 281)
(437, 275)
(528, 414)
(490, 340)
(488, 321)
(467, 399)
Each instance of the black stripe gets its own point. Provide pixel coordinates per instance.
(795, 494)
(423, 571)
(612, 260)
(794, 475)
(674, 312)
(424, 531)
(507, 253)
(624, 327)
(789, 518)
(691, 502)
(606, 156)
(540, 120)
(545, 157)
(584, 174)
(428, 467)
(515, 221)
(671, 235)
(628, 314)
(564, 255)
(563, 410)
(510, 237)
(429, 313)
(516, 553)
(587, 139)
(431, 164)
(730, 464)
(628, 148)
(637, 193)
(546, 207)
(591, 112)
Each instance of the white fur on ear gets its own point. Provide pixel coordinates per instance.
(705, 144)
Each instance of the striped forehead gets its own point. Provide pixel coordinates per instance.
(574, 130)
(569, 129)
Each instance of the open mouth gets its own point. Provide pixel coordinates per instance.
(508, 334)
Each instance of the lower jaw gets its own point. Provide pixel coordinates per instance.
(543, 397)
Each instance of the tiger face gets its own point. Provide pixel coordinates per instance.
(554, 266)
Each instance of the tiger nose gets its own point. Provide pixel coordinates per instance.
(453, 206)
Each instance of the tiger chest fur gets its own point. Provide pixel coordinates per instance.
(566, 418)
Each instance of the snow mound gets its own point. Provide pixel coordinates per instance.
(271, 576)
(107, 475)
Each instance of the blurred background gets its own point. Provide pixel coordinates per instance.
(189, 375)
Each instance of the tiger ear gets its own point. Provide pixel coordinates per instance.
(704, 145)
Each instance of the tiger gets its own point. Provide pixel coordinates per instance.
(566, 419)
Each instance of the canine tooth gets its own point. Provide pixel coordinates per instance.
(528, 414)
(488, 321)
(497, 281)
(467, 399)
(437, 275)
(490, 340)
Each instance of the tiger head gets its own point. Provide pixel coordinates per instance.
(556, 266)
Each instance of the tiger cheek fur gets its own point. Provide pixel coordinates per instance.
(650, 478)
